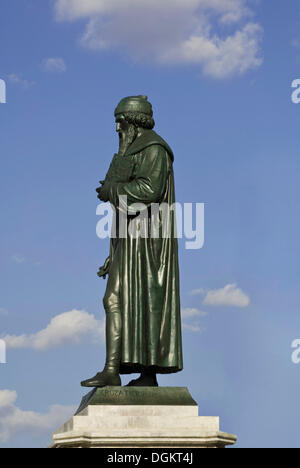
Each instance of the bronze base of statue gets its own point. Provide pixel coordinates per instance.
(134, 396)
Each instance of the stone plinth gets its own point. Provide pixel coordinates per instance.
(131, 417)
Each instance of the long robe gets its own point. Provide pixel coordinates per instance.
(149, 271)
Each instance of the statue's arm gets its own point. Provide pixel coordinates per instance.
(104, 270)
(150, 181)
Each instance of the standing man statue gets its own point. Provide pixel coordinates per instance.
(142, 301)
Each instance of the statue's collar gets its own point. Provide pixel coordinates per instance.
(148, 138)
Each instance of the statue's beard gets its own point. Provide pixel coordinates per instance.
(126, 139)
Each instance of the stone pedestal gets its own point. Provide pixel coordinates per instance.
(132, 417)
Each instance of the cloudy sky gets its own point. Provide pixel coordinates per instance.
(219, 75)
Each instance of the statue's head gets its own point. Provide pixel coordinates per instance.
(133, 114)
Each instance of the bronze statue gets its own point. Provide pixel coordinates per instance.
(142, 300)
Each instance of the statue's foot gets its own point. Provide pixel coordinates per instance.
(103, 379)
(144, 381)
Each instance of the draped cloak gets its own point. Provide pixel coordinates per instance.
(148, 267)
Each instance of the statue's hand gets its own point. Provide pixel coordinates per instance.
(103, 192)
(104, 270)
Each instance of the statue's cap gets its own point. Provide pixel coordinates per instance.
(134, 104)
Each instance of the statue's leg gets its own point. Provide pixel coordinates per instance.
(110, 376)
(113, 341)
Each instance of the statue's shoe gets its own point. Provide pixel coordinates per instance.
(143, 382)
(103, 379)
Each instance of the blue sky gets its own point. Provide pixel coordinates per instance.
(219, 78)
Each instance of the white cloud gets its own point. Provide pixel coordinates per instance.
(230, 295)
(222, 57)
(18, 259)
(14, 421)
(55, 64)
(190, 321)
(18, 80)
(188, 313)
(7, 398)
(192, 328)
(229, 10)
(220, 36)
(67, 328)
